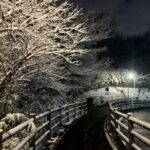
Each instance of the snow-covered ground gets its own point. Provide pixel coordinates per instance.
(119, 93)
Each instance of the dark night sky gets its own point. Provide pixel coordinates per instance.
(132, 16)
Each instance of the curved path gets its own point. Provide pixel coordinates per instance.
(88, 132)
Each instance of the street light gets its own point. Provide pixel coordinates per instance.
(131, 75)
(143, 76)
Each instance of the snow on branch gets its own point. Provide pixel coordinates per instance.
(30, 29)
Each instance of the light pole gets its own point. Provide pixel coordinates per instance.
(132, 76)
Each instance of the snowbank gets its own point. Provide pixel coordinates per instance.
(119, 93)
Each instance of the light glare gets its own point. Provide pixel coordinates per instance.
(131, 76)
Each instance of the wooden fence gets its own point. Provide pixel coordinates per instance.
(121, 125)
(51, 121)
(130, 105)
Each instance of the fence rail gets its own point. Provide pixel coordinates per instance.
(121, 125)
(129, 105)
(51, 120)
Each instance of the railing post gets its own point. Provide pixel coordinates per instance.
(83, 108)
(68, 112)
(32, 115)
(1, 139)
(60, 113)
(80, 105)
(49, 119)
(116, 125)
(48, 137)
(75, 110)
(81, 112)
(130, 128)
(85, 104)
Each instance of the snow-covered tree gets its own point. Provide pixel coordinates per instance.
(100, 27)
(33, 33)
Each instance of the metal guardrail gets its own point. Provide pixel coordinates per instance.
(53, 120)
(121, 125)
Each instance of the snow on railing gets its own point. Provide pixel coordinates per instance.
(121, 125)
(51, 120)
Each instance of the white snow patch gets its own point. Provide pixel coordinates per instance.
(119, 93)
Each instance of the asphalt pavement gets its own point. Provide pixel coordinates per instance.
(88, 132)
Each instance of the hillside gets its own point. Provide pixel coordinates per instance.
(118, 93)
